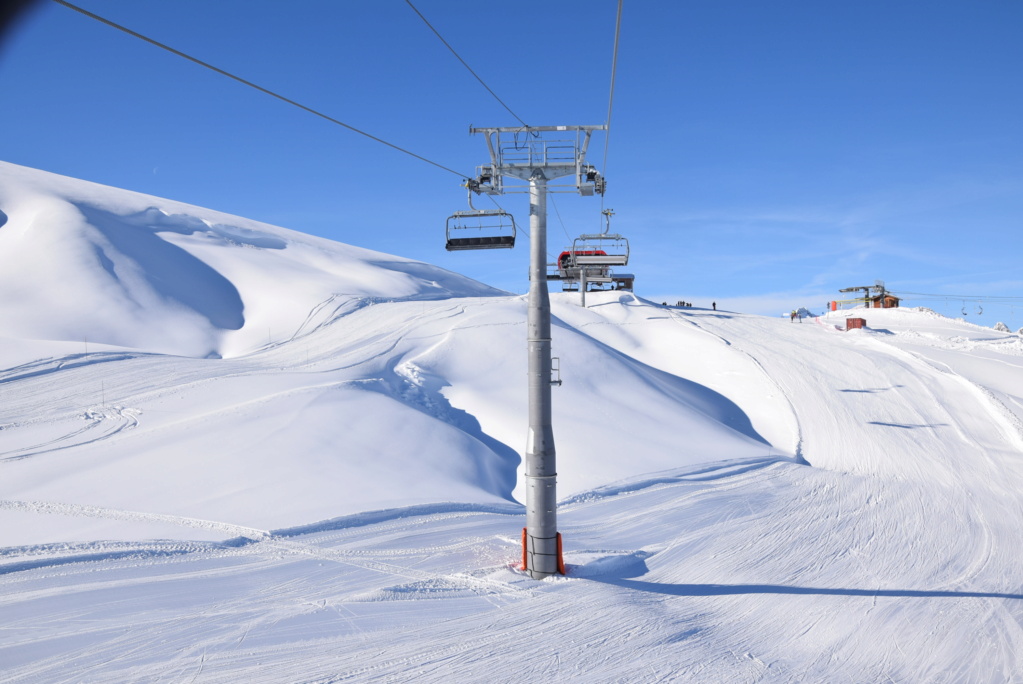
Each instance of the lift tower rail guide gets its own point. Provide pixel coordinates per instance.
(538, 155)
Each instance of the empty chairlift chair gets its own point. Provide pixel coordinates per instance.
(480, 229)
(591, 259)
(594, 256)
(600, 250)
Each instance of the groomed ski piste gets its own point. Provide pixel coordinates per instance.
(233, 452)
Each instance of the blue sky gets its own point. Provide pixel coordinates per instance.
(762, 155)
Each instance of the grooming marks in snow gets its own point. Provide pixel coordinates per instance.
(230, 452)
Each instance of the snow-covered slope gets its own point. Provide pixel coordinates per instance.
(743, 498)
(391, 383)
(84, 264)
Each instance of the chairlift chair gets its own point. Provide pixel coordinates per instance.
(594, 255)
(479, 229)
(601, 250)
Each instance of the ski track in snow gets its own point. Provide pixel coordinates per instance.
(101, 423)
(484, 588)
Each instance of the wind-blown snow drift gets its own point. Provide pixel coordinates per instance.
(83, 263)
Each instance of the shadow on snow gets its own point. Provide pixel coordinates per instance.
(740, 589)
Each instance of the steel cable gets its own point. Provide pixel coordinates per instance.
(253, 85)
(464, 63)
(611, 97)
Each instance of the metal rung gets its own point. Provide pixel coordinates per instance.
(486, 242)
(602, 260)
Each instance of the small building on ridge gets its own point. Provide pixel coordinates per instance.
(884, 301)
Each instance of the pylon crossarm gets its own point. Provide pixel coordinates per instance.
(558, 151)
(588, 190)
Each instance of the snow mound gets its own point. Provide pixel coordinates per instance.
(88, 263)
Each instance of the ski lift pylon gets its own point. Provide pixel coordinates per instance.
(480, 229)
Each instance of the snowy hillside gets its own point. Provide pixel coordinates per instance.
(81, 263)
(228, 450)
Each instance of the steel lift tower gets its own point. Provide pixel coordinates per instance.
(538, 155)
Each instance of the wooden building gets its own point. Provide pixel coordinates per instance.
(884, 301)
